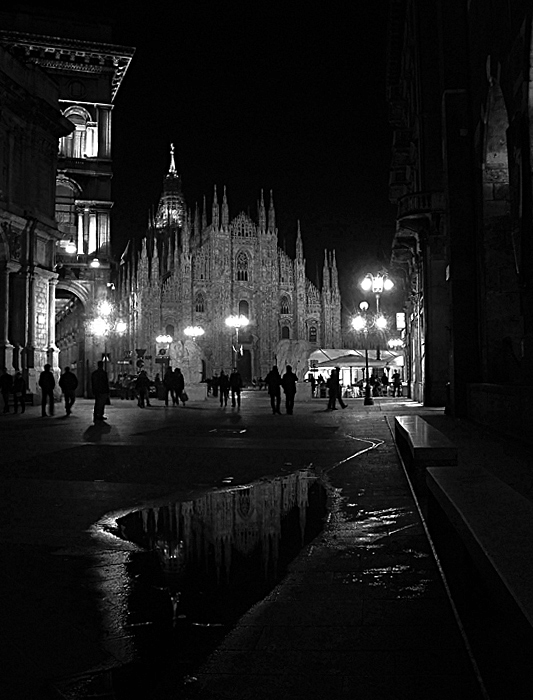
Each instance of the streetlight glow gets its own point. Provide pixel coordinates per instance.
(237, 321)
(381, 322)
(164, 339)
(194, 332)
(358, 323)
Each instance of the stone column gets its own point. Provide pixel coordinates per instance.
(52, 350)
(104, 131)
(6, 349)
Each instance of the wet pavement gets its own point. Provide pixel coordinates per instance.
(361, 611)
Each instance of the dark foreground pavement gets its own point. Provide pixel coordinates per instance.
(361, 613)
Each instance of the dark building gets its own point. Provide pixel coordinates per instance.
(460, 99)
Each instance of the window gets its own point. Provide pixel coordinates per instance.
(199, 303)
(83, 141)
(244, 308)
(285, 333)
(312, 334)
(242, 267)
(169, 329)
(285, 305)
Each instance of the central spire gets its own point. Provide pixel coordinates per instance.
(172, 169)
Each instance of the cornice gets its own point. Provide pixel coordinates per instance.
(73, 55)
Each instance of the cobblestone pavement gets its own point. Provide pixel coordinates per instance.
(362, 611)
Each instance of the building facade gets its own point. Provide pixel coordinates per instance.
(195, 272)
(86, 70)
(461, 98)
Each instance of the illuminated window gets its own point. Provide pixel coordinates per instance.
(285, 305)
(312, 334)
(199, 304)
(83, 141)
(285, 333)
(242, 267)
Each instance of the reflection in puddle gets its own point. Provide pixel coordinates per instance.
(205, 563)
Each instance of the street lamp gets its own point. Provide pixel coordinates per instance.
(362, 323)
(237, 322)
(377, 284)
(104, 324)
(194, 332)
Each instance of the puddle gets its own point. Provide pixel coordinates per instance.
(203, 564)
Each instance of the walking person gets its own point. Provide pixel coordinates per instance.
(396, 384)
(288, 383)
(100, 387)
(235, 384)
(19, 392)
(168, 385)
(334, 390)
(273, 382)
(47, 384)
(179, 386)
(142, 386)
(68, 383)
(6, 387)
(223, 388)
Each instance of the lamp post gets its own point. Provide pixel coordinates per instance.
(362, 323)
(378, 284)
(237, 322)
(104, 324)
(192, 332)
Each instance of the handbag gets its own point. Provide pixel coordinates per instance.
(184, 396)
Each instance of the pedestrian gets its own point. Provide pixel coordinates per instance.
(19, 392)
(68, 383)
(214, 384)
(6, 387)
(179, 386)
(223, 388)
(235, 384)
(273, 383)
(288, 383)
(100, 387)
(142, 386)
(334, 390)
(385, 383)
(312, 381)
(47, 384)
(396, 384)
(168, 386)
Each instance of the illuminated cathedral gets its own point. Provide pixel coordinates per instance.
(191, 272)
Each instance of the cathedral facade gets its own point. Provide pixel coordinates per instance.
(191, 272)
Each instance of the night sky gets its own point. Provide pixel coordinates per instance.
(260, 95)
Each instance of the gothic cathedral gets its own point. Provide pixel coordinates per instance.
(189, 272)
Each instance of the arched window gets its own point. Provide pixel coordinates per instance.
(285, 305)
(83, 141)
(169, 329)
(312, 334)
(199, 304)
(244, 308)
(285, 332)
(242, 267)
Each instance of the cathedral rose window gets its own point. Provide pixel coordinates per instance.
(242, 267)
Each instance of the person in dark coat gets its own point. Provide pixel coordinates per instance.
(288, 383)
(168, 384)
(6, 387)
(142, 387)
(47, 384)
(19, 392)
(100, 387)
(235, 384)
(223, 387)
(273, 383)
(68, 383)
(334, 390)
(179, 385)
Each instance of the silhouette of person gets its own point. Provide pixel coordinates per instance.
(100, 387)
(168, 384)
(334, 390)
(179, 385)
(6, 386)
(223, 386)
(273, 382)
(19, 392)
(68, 383)
(235, 384)
(288, 383)
(142, 385)
(47, 384)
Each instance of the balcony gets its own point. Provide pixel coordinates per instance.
(420, 203)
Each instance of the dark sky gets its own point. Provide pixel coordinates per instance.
(259, 95)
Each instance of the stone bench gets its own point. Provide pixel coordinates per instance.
(422, 444)
(482, 530)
